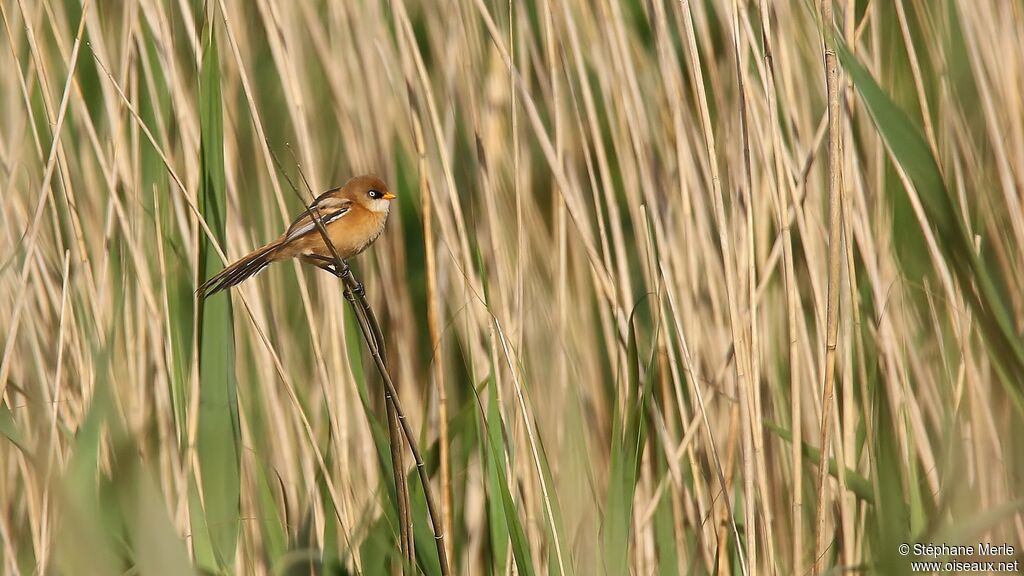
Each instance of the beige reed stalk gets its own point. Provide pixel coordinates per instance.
(785, 224)
(728, 260)
(750, 424)
(434, 323)
(835, 186)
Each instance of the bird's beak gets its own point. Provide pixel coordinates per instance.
(389, 196)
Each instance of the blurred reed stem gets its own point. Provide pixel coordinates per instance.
(835, 190)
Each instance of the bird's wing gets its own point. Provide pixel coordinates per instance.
(330, 208)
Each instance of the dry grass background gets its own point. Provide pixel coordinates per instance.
(606, 292)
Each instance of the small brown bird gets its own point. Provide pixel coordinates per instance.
(353, 215)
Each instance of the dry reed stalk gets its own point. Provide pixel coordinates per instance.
(853, 347)
(722, 224)
(835, 191)
(569, 192)
(319, 355)
(433, 321)
(750, 425)
(789, 286)
(461, 256)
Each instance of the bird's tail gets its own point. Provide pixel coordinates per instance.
(246, 267)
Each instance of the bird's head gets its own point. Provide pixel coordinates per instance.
(370, 192)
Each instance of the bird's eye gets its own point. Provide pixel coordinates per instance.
(375, 194)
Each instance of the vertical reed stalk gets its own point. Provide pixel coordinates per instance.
(433, 320)
(728, 260)
(835, 186)
(747, 394)
(406, 541)
(785, 224)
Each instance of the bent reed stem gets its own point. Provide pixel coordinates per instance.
(354, 293)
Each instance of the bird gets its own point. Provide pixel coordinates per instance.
(353, 216)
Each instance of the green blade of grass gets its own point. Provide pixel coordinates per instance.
(970, 529)
(157, 548)
(555, 525)
(423, 537)
(378, 548)
(275, 541)
(506, 527)
(218, 434)
(857, 484)
(202, 544)
(498, 523)
(664, 527)
(9, 428)
(626, 452)
(176, 272)
(87, 548)
(910, 150)
(892, 514)
(499, 495)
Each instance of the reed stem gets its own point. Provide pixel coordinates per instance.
(372, 335)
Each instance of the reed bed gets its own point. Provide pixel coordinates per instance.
(671, 287)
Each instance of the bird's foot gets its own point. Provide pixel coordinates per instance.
(345, 273)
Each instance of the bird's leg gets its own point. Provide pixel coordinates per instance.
(323, 263)
(327, 267)
(318, 258)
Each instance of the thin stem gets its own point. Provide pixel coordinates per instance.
(372, 335)
(433, 322)
(835, 186)
(369, 327)
(728, 260)
(401, 488)
(785, 223)
(395, 437)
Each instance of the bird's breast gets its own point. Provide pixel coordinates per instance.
(350, 234)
